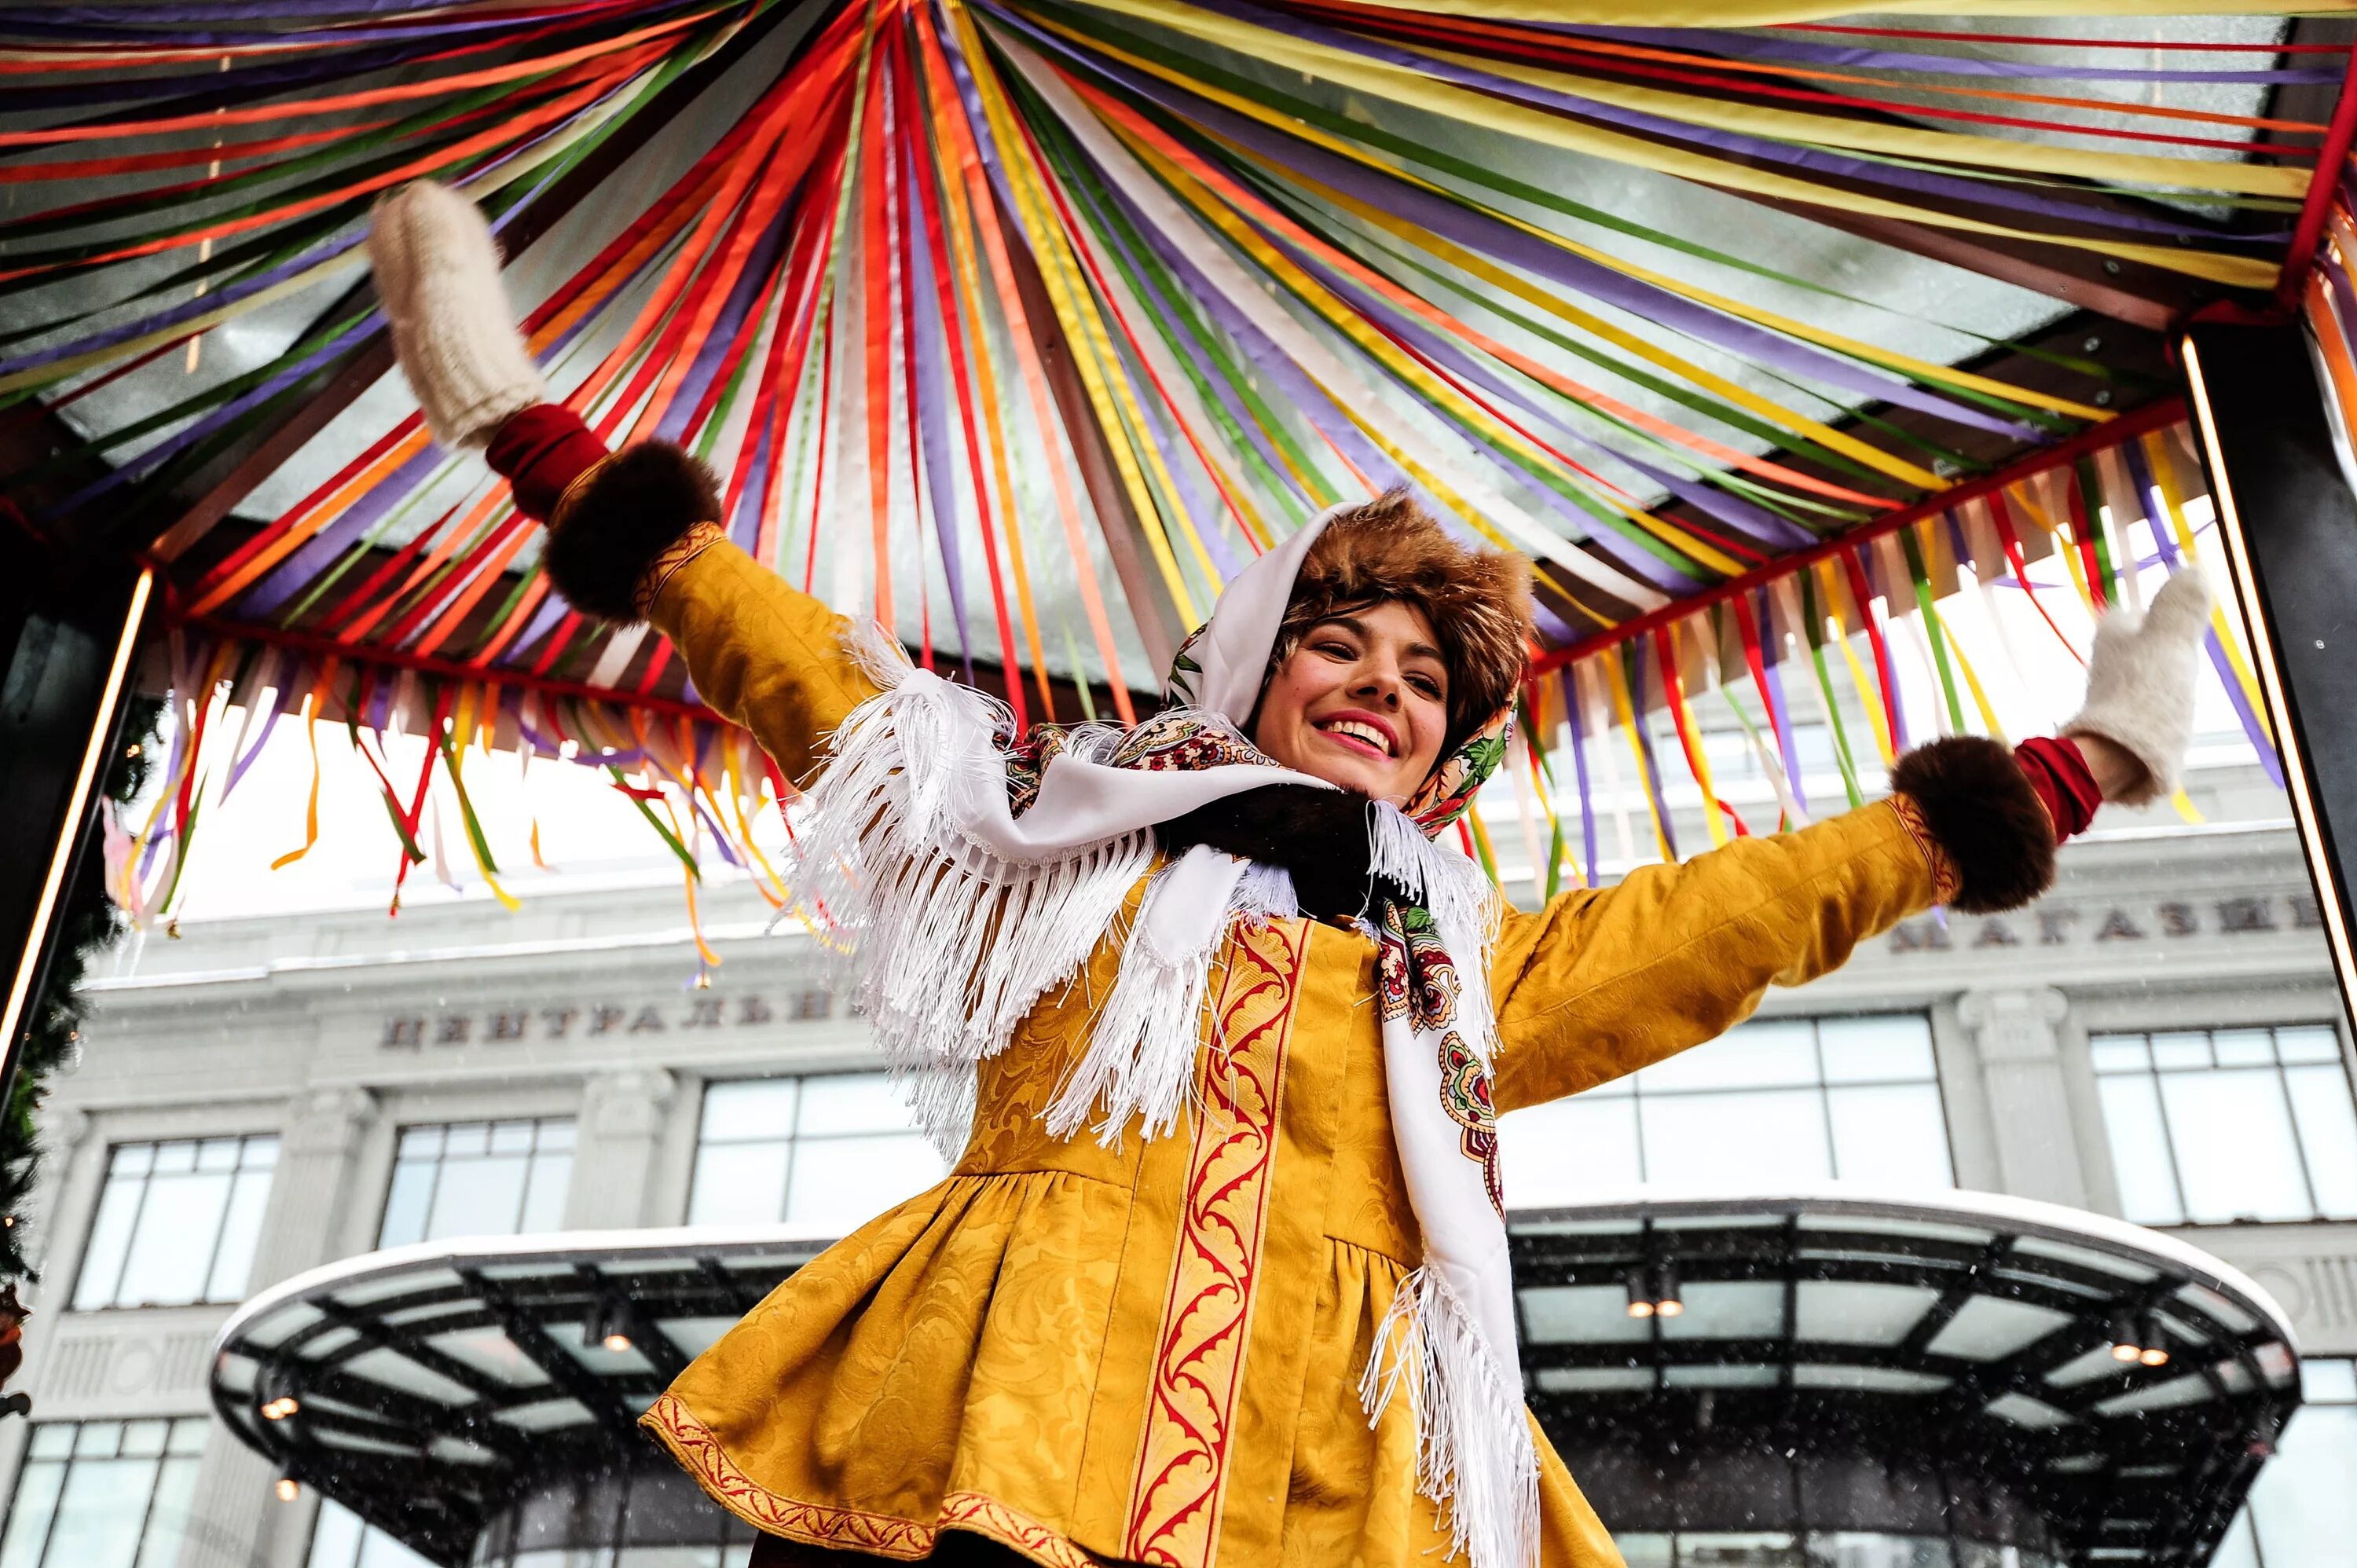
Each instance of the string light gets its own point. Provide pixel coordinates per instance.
(281, 1408)
(2138, 1339)
(1653, 1292)
(609, 1322)
(2154, 1352)
(289, 1489)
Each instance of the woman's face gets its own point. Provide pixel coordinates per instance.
(1361, 702)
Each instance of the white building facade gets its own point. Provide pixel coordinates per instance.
(2158, 1040)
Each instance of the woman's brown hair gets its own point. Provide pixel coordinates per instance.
(1478, 601)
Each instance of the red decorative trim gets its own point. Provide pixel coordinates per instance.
(1178, 1496)
(879, 1535)
(1945, 878)
(698, 539)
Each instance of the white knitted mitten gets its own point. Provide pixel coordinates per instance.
(2140, 681)
(438, 273)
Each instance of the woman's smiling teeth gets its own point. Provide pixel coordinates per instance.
(1364, 734)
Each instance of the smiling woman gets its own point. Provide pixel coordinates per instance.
(1045, 1354)
(1397, 644)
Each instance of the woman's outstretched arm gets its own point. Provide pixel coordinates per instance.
(633, 535)
(1603, 983)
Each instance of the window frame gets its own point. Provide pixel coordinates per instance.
(146, 1180)
(538, 1122)
(2242, 1542)
(2096, 1034)
(173, 1425)
(793, 1140)
(1821, 1088)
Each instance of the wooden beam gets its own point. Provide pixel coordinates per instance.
(2285, 517)
(63, 678)
(2153, 415)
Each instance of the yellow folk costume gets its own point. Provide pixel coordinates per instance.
(1152, 1352)
(1150, 1349)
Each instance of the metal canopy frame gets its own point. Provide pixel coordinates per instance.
(437, 1471)
(2156, 1485)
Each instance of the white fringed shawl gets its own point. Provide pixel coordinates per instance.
(962, 915)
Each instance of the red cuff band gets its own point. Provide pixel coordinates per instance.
(541, 451)
(2058, 771)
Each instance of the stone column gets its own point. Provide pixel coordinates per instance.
(2029, 1097)
(314, 1181)
(621, 1128)
(237, 1513)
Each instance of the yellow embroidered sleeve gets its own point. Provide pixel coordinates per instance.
(759, 651)
(1601, 984)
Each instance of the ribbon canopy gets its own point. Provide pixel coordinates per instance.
(1023, 325)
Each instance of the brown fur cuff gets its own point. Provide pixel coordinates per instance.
(613, 527)
(1973, 798)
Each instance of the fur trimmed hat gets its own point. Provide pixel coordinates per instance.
(1478, 601)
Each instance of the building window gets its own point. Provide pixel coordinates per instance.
(826, 1151)
(1820, 1549)
(1776, 1102)
(177, 1223)
(479, 1178)
(2303, 1512)
(2208, 1126)
(104, 1494)
(340, 1538)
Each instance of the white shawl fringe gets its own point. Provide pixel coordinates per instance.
(1474, 1456)
(1141, 1054)
(879, 863)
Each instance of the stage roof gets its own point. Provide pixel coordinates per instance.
(1021, 325)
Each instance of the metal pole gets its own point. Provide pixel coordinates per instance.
(60, 709)
(2289, 525)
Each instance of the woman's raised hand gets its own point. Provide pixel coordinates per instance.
(437, 274)
(2138, 717)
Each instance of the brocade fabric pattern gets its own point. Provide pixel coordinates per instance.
(1150, 1353)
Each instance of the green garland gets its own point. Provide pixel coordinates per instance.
(88, 923)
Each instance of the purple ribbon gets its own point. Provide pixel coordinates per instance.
(2156, 514)
(1567, 679)
(929, 352)
(1448, 218)
(1955, 188)
(1174, 310)
(1768, 46)
(1584, 526)
(730, 323)
(172, 316)
(1756, 522)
